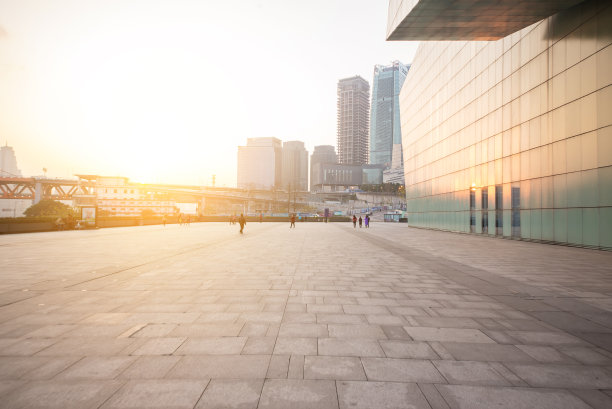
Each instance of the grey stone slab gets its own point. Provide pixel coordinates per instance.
(595, 398)
(61, 394)
(259, 346)
(51, 368)
(87, 347)
(221, 366)
(486, 352)
(349, 347)
(407, 349)
(231, 394)
(401, 370)
(356, 331)
(470, 373)
(279, 367)
(380, 395)
(159, 346)
(153, 330)
(212, 346)
(295, 346)
(487, 397)
(296, 367)
(16, 367)
(385, 319)
(206, 330)
(102, 367)
(563, 376)
(546, 354)
(298, 394)
(433, 396)
(448, 335)
(587, 356)
(339, 319)
(26, 347)
(446, 322)
(173, 394)
(545, 338)
(333, 367)
(365, 309)
(303, 330)
(570, 322)
(300, 317)
(149, 367)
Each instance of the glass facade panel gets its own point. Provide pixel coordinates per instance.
(524, 122)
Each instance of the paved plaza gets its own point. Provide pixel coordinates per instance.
(321, 316)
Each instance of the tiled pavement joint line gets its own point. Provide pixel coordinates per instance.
(166, 257)
(485, 282)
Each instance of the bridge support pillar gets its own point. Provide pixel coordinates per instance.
(38, 193)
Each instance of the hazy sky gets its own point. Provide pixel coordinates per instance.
(165, 91)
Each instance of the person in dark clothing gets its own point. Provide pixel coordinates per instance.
(354, 221)
(292, 221)
(242, 222)
(360, 222)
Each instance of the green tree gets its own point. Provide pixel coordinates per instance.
(48, 207)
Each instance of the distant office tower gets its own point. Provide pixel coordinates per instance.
(322, 154)
(295, 166)
(353, 120)
(260, 163)
(8, 163)
(385, 127)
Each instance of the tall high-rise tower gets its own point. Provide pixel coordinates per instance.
(353, 120)
(385, 129)
(295, 166)
(8, 162)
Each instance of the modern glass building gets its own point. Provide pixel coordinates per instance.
(385, 127)
(260, 164)
(510, 137)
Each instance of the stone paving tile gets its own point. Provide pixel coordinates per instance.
(298, 394)
(104, 367)
(303, 330)
(356, 331)
(380, 395)
(157, 394)
(563, 376)
(486, 352)
(231, 394)
(295, 346)
(61, 394)
(212, 346)
(349, 347)
(482, 397)
(448, 335)
(149, 367)
(408, 349)
(401, 370)
(470, 373)
(159, 346)
(221, 366)
(333, 367)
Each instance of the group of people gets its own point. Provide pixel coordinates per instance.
(183, 220)
(365, 220)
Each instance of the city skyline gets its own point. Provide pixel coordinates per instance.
(162, 97)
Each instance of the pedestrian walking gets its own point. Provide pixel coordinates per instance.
(164, 220)
(292, 221)
(367, 221)
(242, 222)
(354, 221)
(360, 222)
(260, 217)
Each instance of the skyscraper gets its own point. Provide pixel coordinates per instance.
(8, 162)
(353, 120)
(295, 166)
(260, 163)
(385, 129)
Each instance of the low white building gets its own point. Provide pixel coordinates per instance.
(116, 196)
